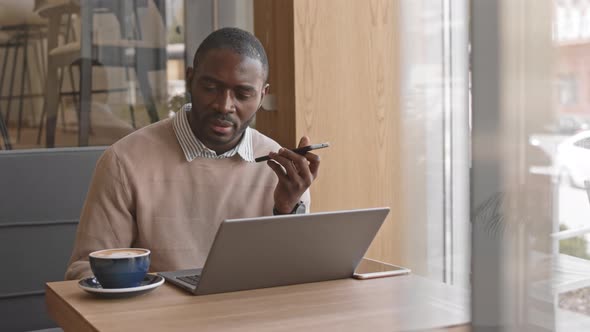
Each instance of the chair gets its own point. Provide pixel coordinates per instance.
(38, 227)
(130, 51)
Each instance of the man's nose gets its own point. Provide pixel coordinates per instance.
(225, 102)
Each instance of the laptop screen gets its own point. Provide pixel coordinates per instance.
(288, 249)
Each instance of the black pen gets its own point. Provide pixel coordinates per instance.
(300, 151)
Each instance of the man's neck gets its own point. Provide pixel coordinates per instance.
(221, 149)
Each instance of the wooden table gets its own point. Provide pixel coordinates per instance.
(388, 304)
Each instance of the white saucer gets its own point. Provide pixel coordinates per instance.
(149, 283)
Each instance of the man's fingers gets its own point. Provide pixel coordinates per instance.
(297, 167)
(298, 160)
(304, 141)
(287, 163)
(314, 163)
(301, 165)
(279, 171)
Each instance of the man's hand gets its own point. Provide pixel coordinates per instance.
(295, 176)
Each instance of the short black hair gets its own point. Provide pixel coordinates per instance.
(240, 41)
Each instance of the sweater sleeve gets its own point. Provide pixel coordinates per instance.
(107, 219)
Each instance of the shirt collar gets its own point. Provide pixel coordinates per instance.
(194, 148)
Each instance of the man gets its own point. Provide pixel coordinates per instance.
(168, 186)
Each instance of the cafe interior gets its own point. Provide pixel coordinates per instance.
(448, 112)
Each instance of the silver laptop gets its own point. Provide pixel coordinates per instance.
(282, 250)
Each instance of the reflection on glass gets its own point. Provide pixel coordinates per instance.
(435, 136)
(562, 144)
(78, 73)
(571, 161)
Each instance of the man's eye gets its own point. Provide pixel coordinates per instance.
(210, 88)
(243, 96)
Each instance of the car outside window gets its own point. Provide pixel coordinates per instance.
(583, 143)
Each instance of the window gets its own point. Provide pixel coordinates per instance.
(530, 254)
(137, 70)
(435, 128)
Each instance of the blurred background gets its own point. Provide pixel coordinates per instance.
(473, 118)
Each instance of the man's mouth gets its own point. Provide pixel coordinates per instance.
(221, 127)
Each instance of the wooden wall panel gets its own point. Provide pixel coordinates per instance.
(273, 25)
(346, 92)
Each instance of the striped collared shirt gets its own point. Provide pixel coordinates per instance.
(193, 147)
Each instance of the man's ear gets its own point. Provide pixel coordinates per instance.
(265, 90)
(263, 93)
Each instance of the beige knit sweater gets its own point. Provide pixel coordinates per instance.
(145, 194)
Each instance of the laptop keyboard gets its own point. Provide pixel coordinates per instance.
(193, 279)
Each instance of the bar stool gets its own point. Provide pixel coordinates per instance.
(21, 31)
(4, 43)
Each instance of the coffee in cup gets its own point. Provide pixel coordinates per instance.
(120, 267)
(119, 253)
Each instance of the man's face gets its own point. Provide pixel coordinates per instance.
(226, 90)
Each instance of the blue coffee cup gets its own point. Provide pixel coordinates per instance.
(120, 267)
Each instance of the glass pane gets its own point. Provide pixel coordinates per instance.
(571, 138)
(530, 202)
(80, 73)
(435, 131)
